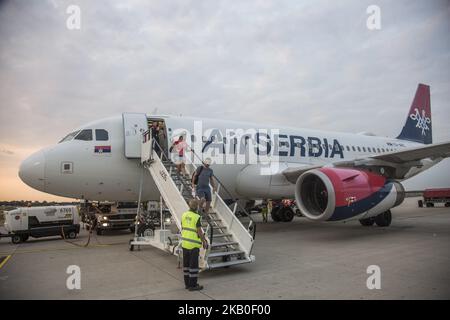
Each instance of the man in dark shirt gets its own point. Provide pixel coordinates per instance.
(204, 176)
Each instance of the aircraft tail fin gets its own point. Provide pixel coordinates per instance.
(418, 122)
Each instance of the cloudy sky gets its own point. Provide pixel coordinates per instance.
(312, 64)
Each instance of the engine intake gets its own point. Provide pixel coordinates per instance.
(330, 194)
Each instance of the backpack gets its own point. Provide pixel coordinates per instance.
(195, 175)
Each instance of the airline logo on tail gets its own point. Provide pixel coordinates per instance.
(422, 121)
(418, 127)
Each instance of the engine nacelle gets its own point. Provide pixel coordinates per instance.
(331, 194)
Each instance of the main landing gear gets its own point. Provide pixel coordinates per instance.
(282, 213)
(382, 220)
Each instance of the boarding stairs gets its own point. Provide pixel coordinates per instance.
(230, 242)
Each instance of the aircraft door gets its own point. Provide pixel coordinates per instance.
(134, 125)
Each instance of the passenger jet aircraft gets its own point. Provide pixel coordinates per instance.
(333, 176)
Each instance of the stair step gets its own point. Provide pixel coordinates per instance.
(221, 235)
(223, 244)
(224, 253)
(228, 263)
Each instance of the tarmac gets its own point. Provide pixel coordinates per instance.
(296, 260)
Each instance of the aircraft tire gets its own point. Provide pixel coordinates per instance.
(275, 214)
(384, 219)
(286, 214)
(367, 222)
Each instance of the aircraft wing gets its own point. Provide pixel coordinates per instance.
(434, 151)
(395, 165)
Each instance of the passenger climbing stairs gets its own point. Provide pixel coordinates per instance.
(230, 242)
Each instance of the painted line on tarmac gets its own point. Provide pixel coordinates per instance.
(64, 249)
(4, 259)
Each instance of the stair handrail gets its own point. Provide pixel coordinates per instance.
(252, 224)
(146, 137)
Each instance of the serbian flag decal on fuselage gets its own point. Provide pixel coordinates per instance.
(102, 149)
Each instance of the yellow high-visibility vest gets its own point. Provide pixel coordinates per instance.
(189, 236)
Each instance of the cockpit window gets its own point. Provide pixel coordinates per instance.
(85, 135)
(69, 136)
(101, 135)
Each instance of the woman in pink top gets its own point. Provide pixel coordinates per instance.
(179, 148)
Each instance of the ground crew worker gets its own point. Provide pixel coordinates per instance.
(192, 239)
(266, 208)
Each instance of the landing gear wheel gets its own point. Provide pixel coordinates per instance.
(275, 214)
(16, 239)
(132, 229)
(447, 204)
(420, 203)
(367, 222)
(286, 214)
(99, 232)
(384, 219)
(430, 205)
(72, 235)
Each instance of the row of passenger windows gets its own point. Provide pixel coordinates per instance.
(369, 149)
(87, 135)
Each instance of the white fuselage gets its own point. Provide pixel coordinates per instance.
(99, 170)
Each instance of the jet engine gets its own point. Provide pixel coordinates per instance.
(331, 194)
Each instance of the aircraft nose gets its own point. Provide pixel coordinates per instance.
(32, 171)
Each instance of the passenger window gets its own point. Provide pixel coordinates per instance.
(382, 149)
(353, 148)
(85, 135)
(359, 149)
(364, 149)
(101, 135)
(378, 150)
(193, 138)
(348, 148)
